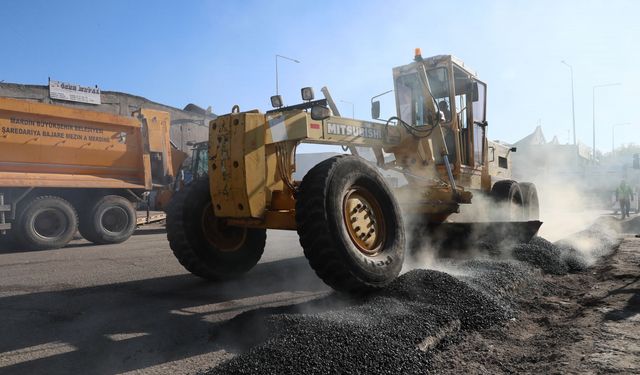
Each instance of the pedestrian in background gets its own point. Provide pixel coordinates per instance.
(624, 194)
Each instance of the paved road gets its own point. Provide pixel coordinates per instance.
(132, 307)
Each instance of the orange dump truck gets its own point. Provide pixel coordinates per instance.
(64, 169)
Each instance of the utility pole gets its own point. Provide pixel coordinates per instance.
(283, 57)
(613, 137)
(353, 107)
(594, 115)
(573, 105)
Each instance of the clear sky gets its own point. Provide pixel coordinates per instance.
(221, 53)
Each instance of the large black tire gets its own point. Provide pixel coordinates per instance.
(110, 220)
(46, 222)
(324, 214)
(530, 200)
(204, 244)
(508, 195)
(6, 241)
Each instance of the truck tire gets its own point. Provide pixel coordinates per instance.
(110, 220)
(204, 244)
(349, 225)
(46, 222)
(530, 200)
(508, 195)
(6, 241)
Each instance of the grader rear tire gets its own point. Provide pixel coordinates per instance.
(530, 200)
(508, 195)
(350, 225)
(204, 244)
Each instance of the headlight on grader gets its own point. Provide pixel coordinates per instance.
(307, 93)
(276, 101)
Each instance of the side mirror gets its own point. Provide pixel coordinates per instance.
(375, 109)
(474, 91)
(320, 113)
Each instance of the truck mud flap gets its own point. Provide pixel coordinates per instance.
(4, 210)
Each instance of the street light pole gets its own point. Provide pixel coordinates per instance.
(353, 108)
(573, 105)
(594, 115)
(284, 57)
(613, 136)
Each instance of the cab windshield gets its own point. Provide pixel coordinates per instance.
(411, 96)
(199, 166)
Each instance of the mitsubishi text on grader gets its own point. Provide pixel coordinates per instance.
(351, 223)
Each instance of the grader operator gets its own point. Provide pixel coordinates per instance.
(351, 224)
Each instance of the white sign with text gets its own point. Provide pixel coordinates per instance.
(74, 93)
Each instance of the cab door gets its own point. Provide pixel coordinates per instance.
(478, 107)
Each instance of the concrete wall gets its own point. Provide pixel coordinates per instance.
(189, 125)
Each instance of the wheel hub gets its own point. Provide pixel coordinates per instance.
(49, 223)
(217, 233)
(364, 221)
(115, 219)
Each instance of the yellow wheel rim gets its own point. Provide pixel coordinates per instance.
(217, 233)
(364, 221)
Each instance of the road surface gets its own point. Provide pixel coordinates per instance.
(131, 308)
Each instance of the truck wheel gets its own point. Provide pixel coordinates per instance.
(350, 225)
(508, 195)
(203, 243)
(6, 241)
(110, 220)
(530, 200)
(46, 222)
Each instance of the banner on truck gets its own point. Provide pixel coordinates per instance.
(74, 93)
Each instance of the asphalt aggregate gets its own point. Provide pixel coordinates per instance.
(395, 330)
(389, 333)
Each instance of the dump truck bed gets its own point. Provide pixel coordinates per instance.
(44, 145)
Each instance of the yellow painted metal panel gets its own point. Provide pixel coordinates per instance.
(286, 126)
(10, 179)
(237, 165)
(76, 146)
(24, 106)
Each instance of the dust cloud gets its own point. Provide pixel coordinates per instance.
(573, 227)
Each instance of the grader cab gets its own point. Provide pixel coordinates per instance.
(352, 225)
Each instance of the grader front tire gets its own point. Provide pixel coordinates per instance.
(204, 244)
(350, 225)
(530, 200)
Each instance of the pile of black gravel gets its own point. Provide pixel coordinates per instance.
(572, 254)
(542, 254)
(381, 335)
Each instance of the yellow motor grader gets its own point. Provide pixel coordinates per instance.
(351, 223)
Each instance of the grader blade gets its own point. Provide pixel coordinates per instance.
(469, 235)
